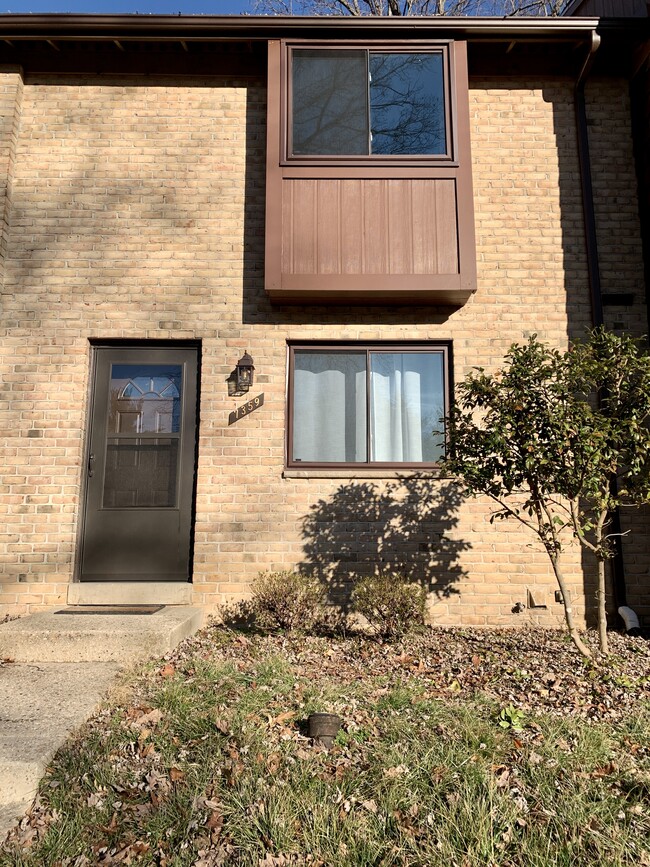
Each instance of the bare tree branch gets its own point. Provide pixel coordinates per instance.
(451, 8)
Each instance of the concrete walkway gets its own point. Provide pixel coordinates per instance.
(63, 665)
(39, 705)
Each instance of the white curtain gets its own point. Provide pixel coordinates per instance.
(406, 403)
(329, 413)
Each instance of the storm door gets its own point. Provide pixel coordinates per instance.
(138, 508)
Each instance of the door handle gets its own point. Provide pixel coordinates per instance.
(91, 461)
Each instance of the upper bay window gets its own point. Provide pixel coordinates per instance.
(364, 103)
(368, 173)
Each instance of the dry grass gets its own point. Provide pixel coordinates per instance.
(207, 761)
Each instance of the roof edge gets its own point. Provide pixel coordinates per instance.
(92, 26)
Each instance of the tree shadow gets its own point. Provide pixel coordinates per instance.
(405, 526)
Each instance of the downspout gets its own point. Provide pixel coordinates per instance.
(584, 159)
(593, 269)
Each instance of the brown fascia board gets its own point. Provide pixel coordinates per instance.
(163, 28)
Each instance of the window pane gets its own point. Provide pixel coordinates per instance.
(145, 398)
(140, 473)
(330, 96)
(406, 405)
(407, 105)
(329, 407)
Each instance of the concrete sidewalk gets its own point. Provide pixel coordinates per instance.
(63, 665)
(40, 703)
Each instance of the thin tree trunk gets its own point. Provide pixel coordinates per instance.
(568, 611)
(600, 593)
(602, 612)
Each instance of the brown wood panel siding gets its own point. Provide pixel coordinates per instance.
(374, 235)
(384, 226)
(352, 217)
(358, 233)
(425, 241)
(399, 237)
(328, 232)
(446, 234)
(303, 220)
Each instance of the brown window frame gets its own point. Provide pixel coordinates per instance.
(441, 46)
(445, 347)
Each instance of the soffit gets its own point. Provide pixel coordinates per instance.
(236, 45)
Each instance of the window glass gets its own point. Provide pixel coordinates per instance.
(331, 404)
(407, 107)
(330, 102)
(141, 472)
(406, 407)
(329, 407)
(359, 102)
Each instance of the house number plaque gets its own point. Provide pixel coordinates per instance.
(246, 408)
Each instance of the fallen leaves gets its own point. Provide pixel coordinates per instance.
(246, 729)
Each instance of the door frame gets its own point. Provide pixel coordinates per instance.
(95, 344)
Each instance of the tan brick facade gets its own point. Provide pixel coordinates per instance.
(138, 212)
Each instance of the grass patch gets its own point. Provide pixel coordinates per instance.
(208, 763)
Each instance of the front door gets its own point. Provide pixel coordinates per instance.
(138, 508)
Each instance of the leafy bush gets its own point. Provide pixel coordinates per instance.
(390, 604)
(286, 600)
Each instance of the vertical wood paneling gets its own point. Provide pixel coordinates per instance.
(375, 235)
(399, 238)
(351, 222)
(288, 235)
(425, 242)
(303, 227)
(446, 227)
(328, 223)
(361, 226)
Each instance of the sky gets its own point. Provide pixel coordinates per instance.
(160, 7)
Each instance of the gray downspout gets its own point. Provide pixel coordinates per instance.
(593, 268)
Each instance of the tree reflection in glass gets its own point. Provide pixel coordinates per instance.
(355, 102)
(406, 104)
(330, 102)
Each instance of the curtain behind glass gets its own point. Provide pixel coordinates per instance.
(329, 412)
(406, 405)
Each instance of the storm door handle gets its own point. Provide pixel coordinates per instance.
(91, 461)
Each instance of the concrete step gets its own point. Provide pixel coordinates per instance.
(52, 637)
(130, 593)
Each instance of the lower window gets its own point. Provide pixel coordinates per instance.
(375, 405)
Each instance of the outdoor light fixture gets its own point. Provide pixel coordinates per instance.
(244, 374)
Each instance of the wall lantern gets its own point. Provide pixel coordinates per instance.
(241, 378)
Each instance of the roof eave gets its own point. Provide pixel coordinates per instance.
(209, 27)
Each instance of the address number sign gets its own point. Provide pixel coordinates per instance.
(246, 408)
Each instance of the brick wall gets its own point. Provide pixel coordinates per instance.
(621, 271)
(138, 213)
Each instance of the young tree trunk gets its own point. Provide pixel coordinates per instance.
(568, 611)
(602, 613)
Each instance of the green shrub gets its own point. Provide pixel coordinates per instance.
(390, 604)
(286, 600)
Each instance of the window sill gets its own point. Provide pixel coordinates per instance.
(360, 473)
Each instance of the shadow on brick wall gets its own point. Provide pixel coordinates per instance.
(405, 526)
(620, 266)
